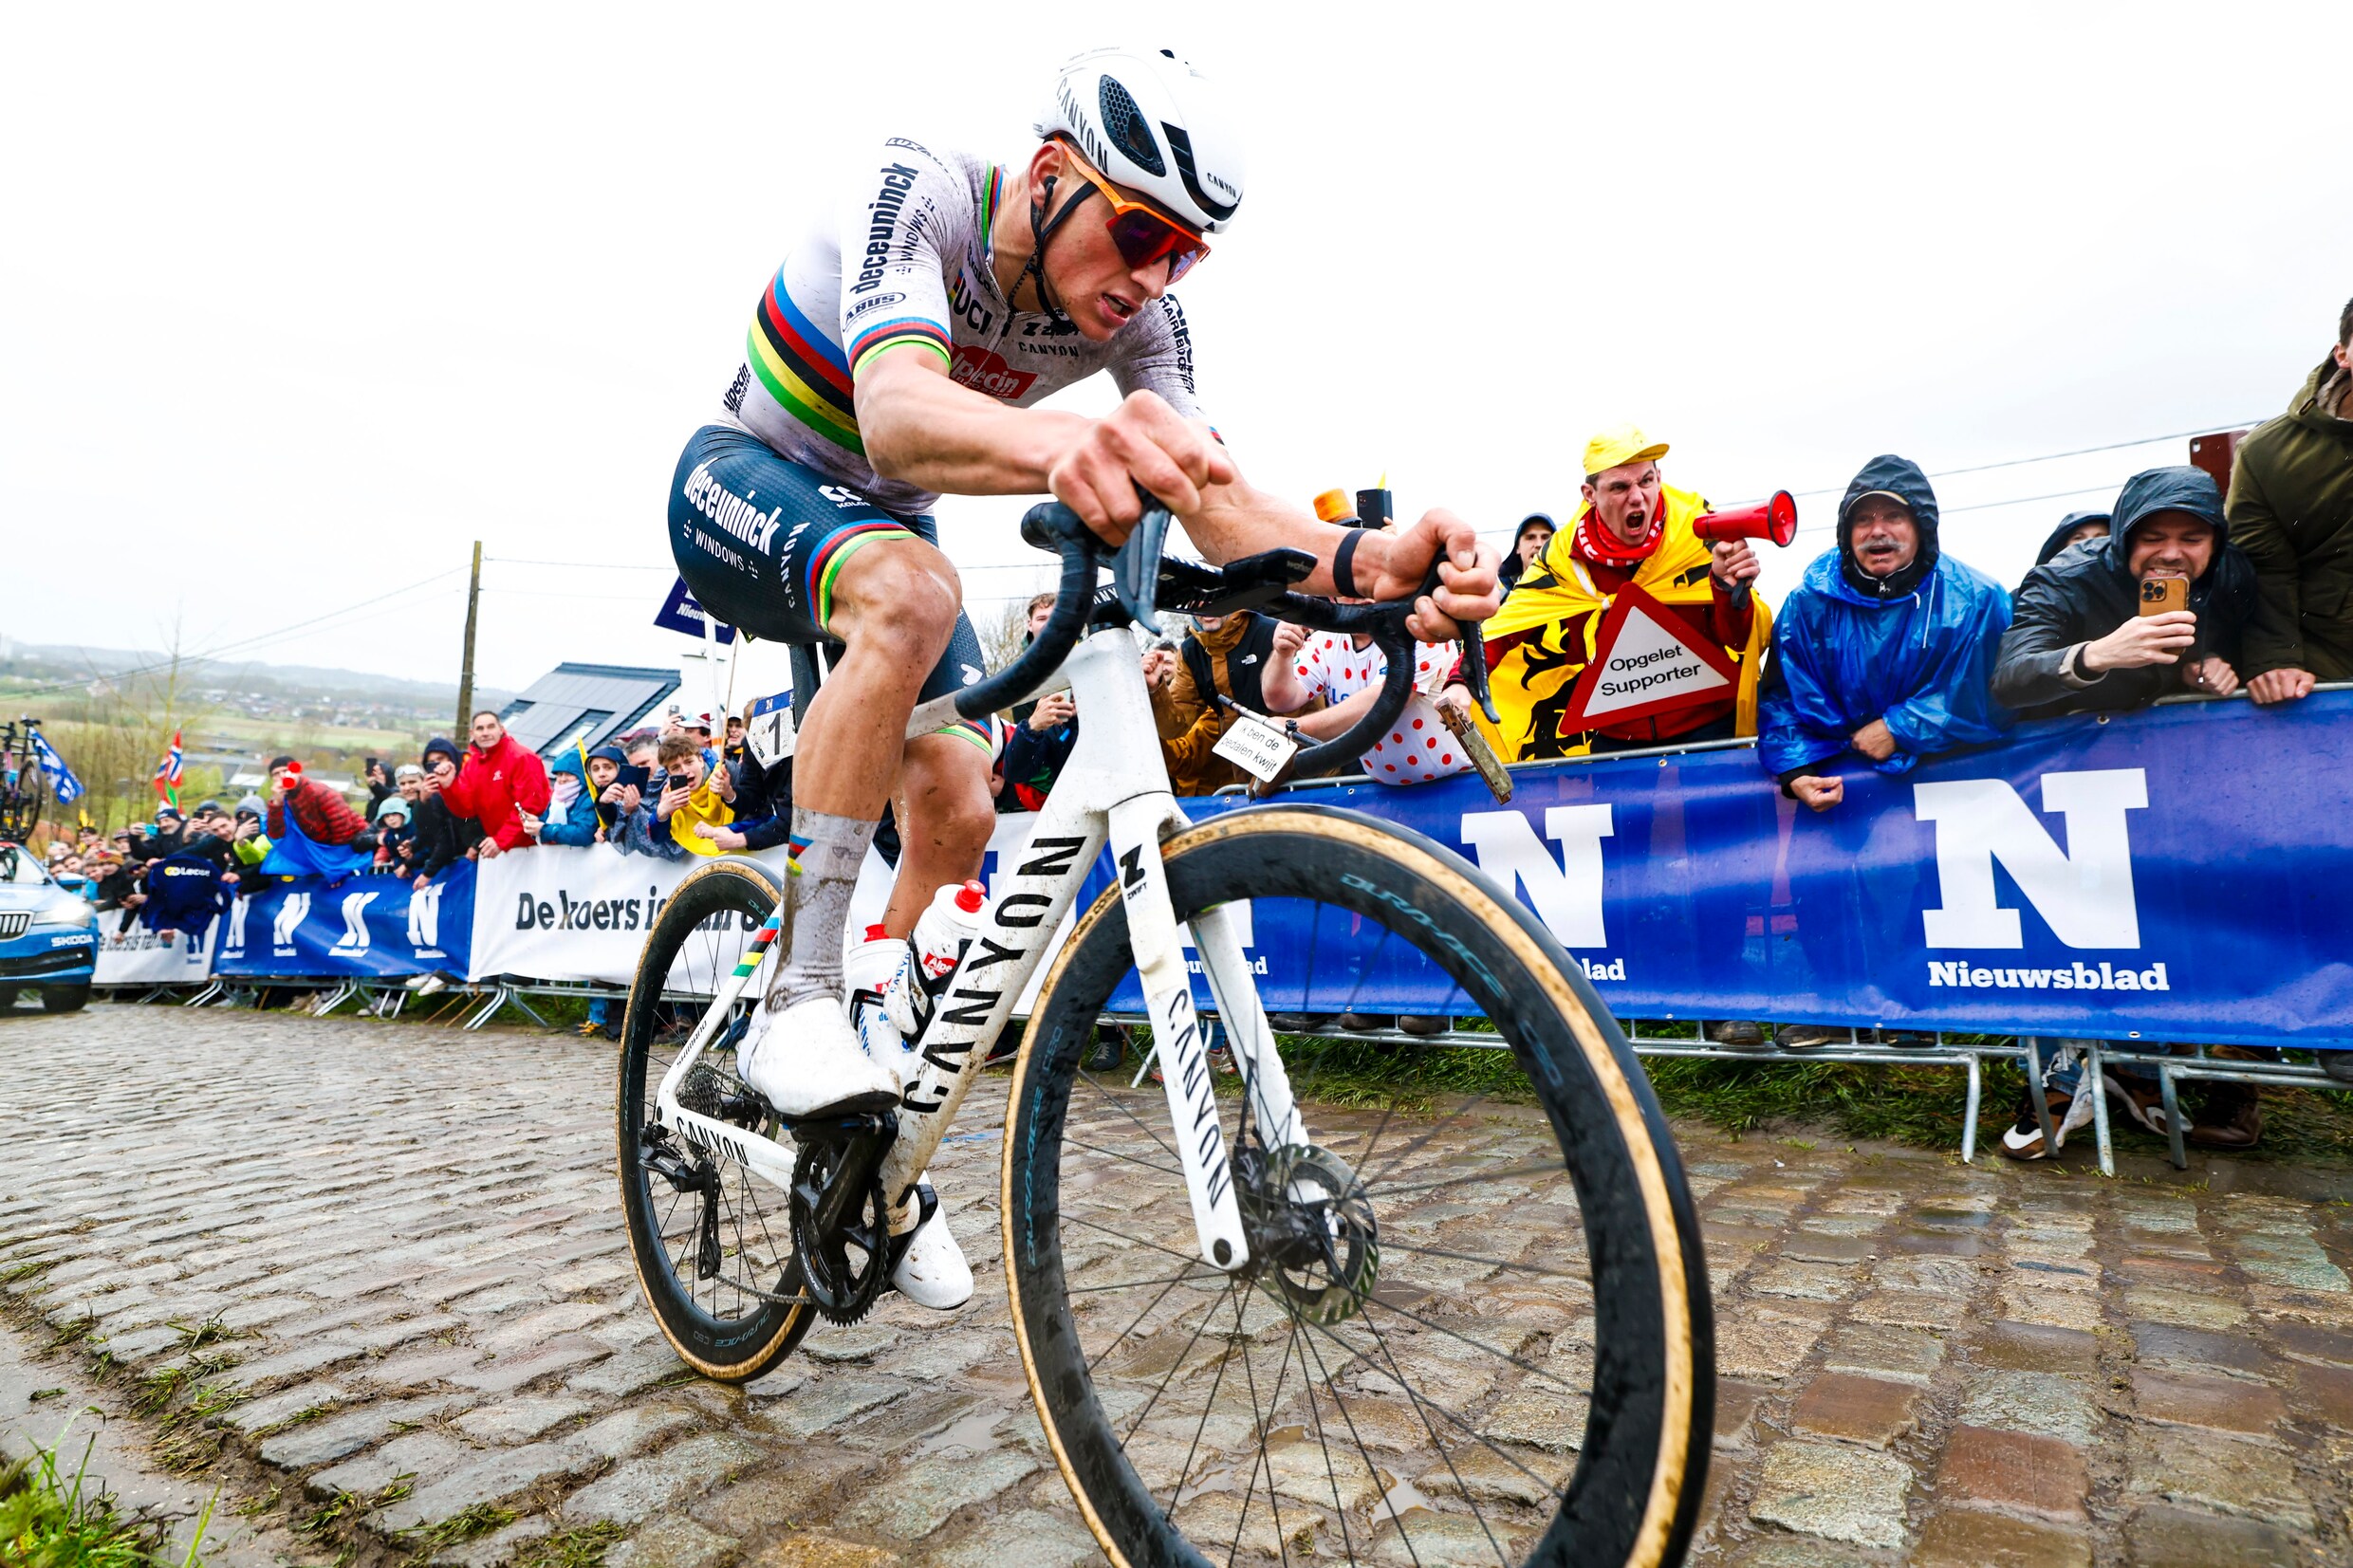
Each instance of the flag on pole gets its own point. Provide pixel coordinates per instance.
(168, 773)
(62, 780)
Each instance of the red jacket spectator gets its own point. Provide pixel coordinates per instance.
(502, 779)
(322, 815)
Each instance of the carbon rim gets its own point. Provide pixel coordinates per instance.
(715, 1267)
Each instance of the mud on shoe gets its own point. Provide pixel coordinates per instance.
(805, 1059)
(932, 1272)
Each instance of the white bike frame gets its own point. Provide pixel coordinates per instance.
(1114, 790)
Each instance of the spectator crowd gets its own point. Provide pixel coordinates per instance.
(1890, 649)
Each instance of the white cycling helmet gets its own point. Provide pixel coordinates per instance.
(1148, 120)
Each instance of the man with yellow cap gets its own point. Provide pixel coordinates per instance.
(1630, 529)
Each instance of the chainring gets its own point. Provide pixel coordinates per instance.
(842, 1273)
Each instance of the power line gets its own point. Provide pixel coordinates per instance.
(2053, 457)
(238, 645)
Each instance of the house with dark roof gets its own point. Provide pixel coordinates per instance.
(585, 705)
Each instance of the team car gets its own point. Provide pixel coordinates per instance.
(48, 934)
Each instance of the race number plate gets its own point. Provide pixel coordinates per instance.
(771, 734)
(1255, 746)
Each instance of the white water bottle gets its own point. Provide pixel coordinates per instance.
(868, 970)
(942, 931)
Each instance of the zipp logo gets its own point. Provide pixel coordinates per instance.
(982, 371)
(354, 940)
(287, 922)
(2083, 893)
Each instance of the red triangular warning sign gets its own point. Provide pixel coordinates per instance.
(1644, 662)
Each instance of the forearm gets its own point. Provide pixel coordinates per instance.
(923, 429)
(1238, 520)
(1331, 723)
(1284, 690)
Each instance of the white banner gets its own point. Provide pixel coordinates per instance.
(142, 957)
(561, 913)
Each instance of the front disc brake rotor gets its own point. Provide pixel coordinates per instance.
(1322, 1241)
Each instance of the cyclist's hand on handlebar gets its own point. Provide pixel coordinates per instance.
(1467, 588)
(1144, 442)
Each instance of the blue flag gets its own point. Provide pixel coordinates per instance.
(62, 780)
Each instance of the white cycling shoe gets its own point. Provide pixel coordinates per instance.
(805, 1059)
(933, 1273)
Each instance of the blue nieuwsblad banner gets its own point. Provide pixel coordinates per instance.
(2177, 875)
(357, 926)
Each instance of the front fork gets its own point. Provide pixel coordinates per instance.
(1136, 827)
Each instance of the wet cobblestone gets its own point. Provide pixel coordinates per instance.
(408, 1244)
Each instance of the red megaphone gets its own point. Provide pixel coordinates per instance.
(1775, 520)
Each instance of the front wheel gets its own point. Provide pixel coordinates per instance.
(64, 998)
(1475, 1327)
(712, 1241)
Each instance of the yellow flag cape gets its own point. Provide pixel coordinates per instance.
(1558, 599)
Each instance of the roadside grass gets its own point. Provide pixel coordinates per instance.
(1918, 1106)
(52, 1519)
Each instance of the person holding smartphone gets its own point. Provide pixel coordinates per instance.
(2083, 639)
(686, 794)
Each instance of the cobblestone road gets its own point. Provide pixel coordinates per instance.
(410, 1243)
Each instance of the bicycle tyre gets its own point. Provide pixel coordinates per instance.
(1639, 1477)
(729, 1347)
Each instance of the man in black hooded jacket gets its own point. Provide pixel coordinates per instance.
(2077, 643)
(2073, 529)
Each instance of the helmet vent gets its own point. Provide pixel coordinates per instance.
(1127, 128)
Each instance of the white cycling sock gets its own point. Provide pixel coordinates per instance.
(826, 854)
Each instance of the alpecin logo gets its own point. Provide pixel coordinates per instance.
(982, 371)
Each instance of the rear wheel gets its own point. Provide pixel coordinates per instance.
(712, 1241)
(1474, 1326)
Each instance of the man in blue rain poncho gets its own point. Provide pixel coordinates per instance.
(1886, 649)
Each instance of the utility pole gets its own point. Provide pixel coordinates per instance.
(465, 673)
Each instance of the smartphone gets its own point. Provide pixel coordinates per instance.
(677, 781)
(2160, 594)
(632, 775)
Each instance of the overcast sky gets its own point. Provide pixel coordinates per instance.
(297, 303)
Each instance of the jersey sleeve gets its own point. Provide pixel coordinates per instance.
(1162, 361)
(904, 214)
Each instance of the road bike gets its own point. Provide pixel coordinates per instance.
(1398, 1303)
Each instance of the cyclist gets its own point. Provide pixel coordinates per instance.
(894, 357)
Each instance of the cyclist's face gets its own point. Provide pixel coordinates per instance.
(1098, 289)
(1625, 498)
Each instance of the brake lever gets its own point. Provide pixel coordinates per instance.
(1136, 567)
